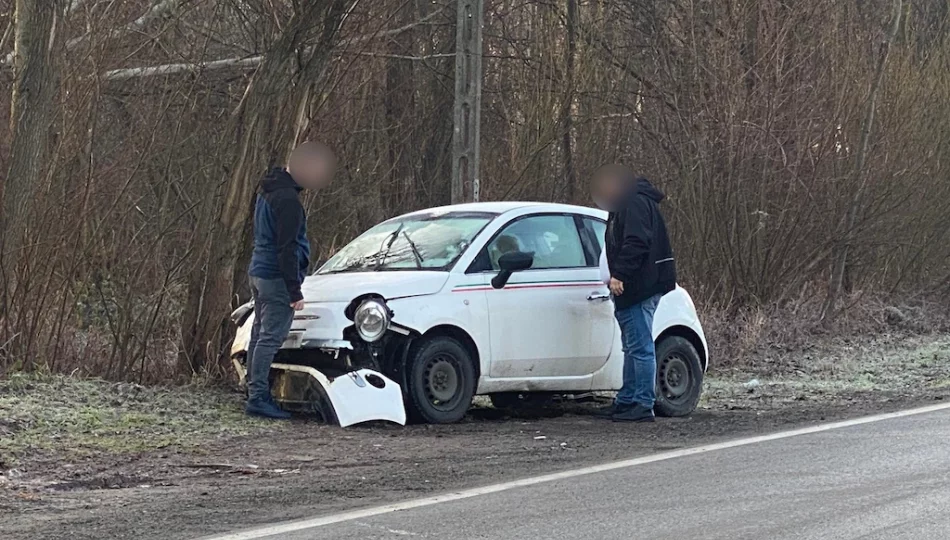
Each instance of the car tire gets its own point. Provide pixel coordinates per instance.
(679, 377)
(441, 381)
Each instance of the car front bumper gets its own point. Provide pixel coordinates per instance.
(354, 397)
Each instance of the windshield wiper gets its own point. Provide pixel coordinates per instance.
(356, 264)
(415, 250)
(389, 244)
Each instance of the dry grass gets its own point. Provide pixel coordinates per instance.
(916, 368)
(759, 338)
(69, 418)
(73, 417)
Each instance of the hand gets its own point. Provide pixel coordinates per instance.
(298, 305)
(616, 287)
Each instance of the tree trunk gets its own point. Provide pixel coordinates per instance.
(840, 259)
(35, 87)
(567, 119)
(265, 128)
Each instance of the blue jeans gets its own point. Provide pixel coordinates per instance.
(273, 316)
(639, 353)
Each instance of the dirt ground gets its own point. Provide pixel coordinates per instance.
(239, 475)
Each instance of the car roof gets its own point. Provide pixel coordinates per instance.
(510, 206)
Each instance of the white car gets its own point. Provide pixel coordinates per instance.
(434, 307)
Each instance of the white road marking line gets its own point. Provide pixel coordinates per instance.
(397, 532)
(313, 523)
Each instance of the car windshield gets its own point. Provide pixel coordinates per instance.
(430, 241)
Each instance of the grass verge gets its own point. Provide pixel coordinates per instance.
(915, 368)
(45, 417)
(74, 418)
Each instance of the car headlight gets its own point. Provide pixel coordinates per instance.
(372, 320)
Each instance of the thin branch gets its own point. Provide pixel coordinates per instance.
(250, 62)
(159, 9)
(405, 56)
(173, 69)
(7, 34)
(74, 6)
(393, 32)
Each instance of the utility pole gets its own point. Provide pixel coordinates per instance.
(468, 101)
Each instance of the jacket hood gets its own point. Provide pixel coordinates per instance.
(278, 178)
(644, 187)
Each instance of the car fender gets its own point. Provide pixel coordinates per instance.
(676, 309)
(242, 337)
(466, 311)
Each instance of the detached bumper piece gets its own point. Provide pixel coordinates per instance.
(352, 398)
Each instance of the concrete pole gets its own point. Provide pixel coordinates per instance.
(468, 101)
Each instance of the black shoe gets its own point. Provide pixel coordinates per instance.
(610, 410)
(637, 413)
(266, 409)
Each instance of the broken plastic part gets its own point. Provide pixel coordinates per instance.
(353, 400)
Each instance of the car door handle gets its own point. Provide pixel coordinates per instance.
(598, 297)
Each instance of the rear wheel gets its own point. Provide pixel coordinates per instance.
(441, 380)
(679, 377)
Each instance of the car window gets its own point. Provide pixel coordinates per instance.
(552, 239)
(600, 230)
(429, 241)
(592, 236)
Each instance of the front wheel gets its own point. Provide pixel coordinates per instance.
(679, 377)
(441, 380)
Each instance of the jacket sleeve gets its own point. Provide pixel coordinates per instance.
(289, 218)
(637, 238)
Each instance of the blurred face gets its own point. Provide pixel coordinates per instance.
(607, 190)
(314, 171)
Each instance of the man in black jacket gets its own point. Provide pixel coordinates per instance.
(642, 270)
(279, 264)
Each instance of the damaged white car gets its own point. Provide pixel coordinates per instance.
(426, 310)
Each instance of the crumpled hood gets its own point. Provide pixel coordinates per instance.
(392, 284)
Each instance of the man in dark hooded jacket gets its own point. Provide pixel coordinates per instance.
(279, 264)
(642, 270)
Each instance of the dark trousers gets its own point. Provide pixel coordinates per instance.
(273, 316)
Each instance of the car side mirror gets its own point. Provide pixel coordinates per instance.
(509, 264)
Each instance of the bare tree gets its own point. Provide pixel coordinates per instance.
(264, 124)
(849, 223)
(32, 104)
(129, 216)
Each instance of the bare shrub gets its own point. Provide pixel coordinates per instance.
(126, 231)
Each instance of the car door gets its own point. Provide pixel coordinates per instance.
(604, 327)
(540, 322)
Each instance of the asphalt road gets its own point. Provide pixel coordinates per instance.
(885, 479)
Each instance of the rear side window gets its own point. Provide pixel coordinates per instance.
(553, 239)
(600, 230)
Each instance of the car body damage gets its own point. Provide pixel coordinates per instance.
(331, 378)
(357, 396)
(422, 312)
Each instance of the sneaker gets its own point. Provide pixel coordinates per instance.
(266, 409)
(637, 413)
(610, 410)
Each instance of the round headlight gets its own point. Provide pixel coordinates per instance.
(372, 320)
